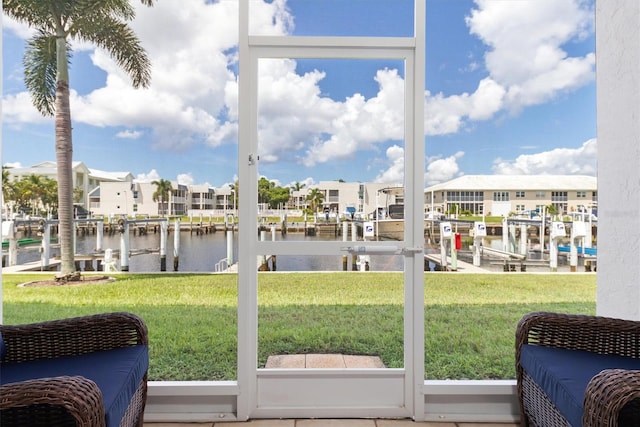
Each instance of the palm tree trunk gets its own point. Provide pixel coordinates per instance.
(64, 158)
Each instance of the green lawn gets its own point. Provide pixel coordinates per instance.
(470, 318)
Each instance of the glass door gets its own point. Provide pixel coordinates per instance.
(330, 284)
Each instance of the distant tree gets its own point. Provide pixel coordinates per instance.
(8, 187)
(34, 189)
(49, 197)
(297, 186)
(162, 194)
(235, 188)
(78, 194)
(314, 199)
(264, 187)
(552, 210)
(278, 196)
(46, 71)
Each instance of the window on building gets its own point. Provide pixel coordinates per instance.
(519, 208)
(540, 195)
(559, 196)
(520, 194)
(500, 196)
(581, 194)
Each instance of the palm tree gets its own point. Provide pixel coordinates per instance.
(8, 187)
(297, 186)
(163, 190)
(235, 188)
(315, 199)
(46, 62)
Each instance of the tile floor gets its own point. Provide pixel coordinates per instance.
(333, 423)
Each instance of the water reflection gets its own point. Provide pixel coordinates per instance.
(200, 253)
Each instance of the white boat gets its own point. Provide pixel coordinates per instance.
(389, 217)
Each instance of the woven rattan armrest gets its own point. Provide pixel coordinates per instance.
(73, 336)
(607, 394)
(579, 332)
(52, 398)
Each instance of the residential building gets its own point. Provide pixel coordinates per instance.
(136, 198)
(339, 195)
(84, 179)
(500, 195)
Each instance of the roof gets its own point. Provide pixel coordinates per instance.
(518, 182)
(110, 176)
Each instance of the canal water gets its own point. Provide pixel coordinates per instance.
(201, 253)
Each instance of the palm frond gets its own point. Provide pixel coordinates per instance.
(117, 8)
(119, 40)
(35, 13)
(40, 71)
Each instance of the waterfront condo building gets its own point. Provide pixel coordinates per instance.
(502, 195)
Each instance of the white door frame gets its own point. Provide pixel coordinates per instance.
(276, 393)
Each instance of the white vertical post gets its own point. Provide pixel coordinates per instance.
(124, 248)
(99, 234)
(13, 250)
(454, 253)
(262, 258)
(553, 255)
(512, 238)
(345, 237)
(164, 226)
(230, 248)
(176, 245)
(477, 241)
(46, 246)
(443, 253)
(505, 235)
(523, 239)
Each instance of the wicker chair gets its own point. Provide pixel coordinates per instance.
(68, 400)
(611, 398)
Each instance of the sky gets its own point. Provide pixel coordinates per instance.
(509, 89)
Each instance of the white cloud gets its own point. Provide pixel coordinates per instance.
(395, 172)
(560, 161)
(444, 115)
(442, 169)
(185, 179)
(152, 175)
(307, 182)
(18, 109)
(19, 29)
(526, 41)
(129, 134)
(526, 61)
(360, 123)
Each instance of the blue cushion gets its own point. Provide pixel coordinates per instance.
(564, 374)
(116, 372)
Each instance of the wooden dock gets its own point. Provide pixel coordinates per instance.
(463, 267)
(31, 266)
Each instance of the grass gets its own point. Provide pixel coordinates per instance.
(469, 318)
